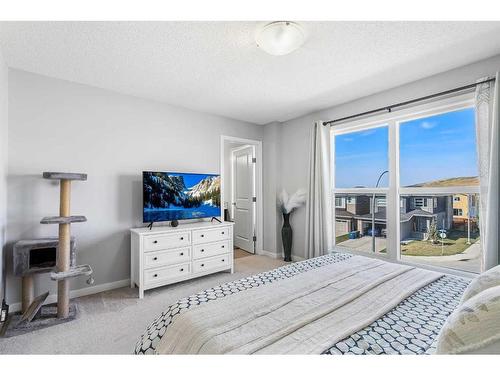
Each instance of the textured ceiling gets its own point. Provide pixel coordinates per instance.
(216, 67)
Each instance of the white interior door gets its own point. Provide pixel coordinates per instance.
(243, 193)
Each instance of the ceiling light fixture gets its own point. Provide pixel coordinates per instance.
(280, 38)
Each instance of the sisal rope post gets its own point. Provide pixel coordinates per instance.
(63, 253)
(28, 292)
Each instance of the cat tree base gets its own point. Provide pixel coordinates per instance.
(46, 317)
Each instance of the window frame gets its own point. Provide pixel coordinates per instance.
(394, 120)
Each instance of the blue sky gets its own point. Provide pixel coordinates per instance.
(432, 148)
(191, 179)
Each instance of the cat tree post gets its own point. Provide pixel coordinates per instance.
(64, 270)
(63, 255)
(28, 292)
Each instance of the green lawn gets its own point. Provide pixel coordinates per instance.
(342, 238)
(455, 243)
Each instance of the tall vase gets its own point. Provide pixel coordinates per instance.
(286, 237)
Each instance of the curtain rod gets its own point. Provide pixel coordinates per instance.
(391, 107)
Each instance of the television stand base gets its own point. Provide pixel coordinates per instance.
(214, 218)
(150, 226)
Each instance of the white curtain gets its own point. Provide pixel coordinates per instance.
(487, 127)
(319, 225)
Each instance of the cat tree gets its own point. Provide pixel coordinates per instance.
(64, 270)
(56, 255)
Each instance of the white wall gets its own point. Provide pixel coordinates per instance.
(272, 183)
(3, 163)
(56, 125)
(295, 133)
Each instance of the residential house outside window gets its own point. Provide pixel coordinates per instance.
(424, 209)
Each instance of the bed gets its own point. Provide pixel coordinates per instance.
(408, 319)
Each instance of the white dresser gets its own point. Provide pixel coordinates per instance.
(166, 255)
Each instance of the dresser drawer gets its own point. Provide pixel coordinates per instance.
(210, 249)
(203, 265)
(210, 235)
(166, 257)
(166, 241)
(164, 274)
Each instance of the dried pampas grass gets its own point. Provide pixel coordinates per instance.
(288, 203)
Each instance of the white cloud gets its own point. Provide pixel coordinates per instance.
(367, 132)
(428, 124)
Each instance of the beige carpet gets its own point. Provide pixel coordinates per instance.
(111, 322)
(239, 253)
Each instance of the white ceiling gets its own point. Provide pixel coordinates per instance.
(216, 67)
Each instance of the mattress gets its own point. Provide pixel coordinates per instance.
(410, 328)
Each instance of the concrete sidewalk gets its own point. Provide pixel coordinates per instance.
(469, 260)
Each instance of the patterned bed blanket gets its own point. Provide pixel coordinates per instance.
(409, 328)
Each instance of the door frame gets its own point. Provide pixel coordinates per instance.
(259, 207)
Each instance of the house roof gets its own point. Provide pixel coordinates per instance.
(343, 214)
(381, 215)
(408, 215)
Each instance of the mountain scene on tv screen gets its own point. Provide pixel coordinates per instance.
(177, 196)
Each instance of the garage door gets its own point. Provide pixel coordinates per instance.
(341, 227)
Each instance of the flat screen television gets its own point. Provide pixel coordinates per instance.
(171, 196)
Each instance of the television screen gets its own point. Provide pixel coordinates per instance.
(177, 196)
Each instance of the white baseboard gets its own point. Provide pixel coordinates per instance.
(16, 306)
(268, 254)
(295, 258)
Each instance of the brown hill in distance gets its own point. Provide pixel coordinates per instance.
(455, 181)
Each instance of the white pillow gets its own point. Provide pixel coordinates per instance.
(474, 327)
(482, 282)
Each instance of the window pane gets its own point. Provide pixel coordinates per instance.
(422, 224)
(439, 150)
(361, 157)
(353, 223)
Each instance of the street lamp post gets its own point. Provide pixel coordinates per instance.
(373, 211)
(469, 200)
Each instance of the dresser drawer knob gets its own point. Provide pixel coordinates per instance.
(182, 269)
(202, 235)
(182, 254)
(222, 246)
(223, 260)
(155, 275)
(202, 265)
(155, 241)
(155, 258)
(182, 238)
(222, 232)
(202, 250)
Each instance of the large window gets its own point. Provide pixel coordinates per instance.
(408, 183)
(361, 168)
